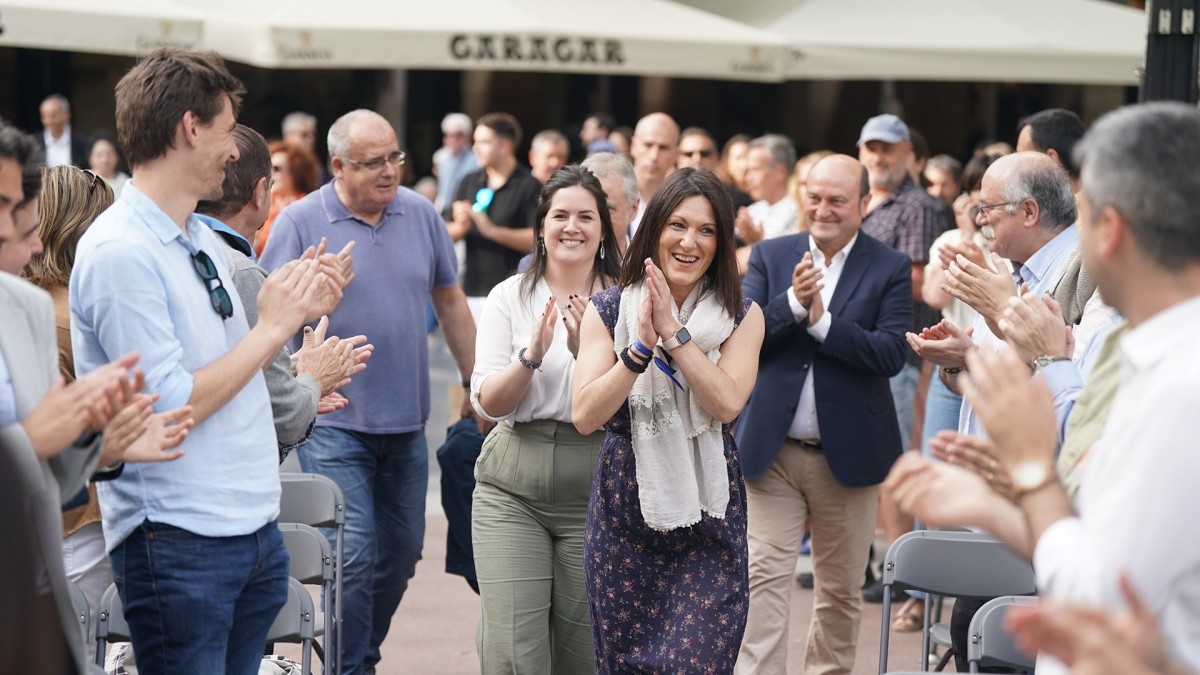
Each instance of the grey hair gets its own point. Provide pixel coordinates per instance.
(606, 164)
(457, 121)
(1046, 183)
(297, 119)
(779, 147)
(61, 101)
(1141, 161)
(549, 136)
(946, 164)
(338, 139)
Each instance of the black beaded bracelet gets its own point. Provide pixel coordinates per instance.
(631, 364)
(532, 365)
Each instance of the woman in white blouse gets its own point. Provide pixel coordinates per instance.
(535, 470)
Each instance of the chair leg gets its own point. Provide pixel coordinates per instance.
(885, 628)
(925, 632)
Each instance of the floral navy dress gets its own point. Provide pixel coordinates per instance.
(661, 602)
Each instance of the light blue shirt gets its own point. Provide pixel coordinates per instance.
(1041, 272)
(133, 288)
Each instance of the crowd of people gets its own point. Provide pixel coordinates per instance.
(681, 365)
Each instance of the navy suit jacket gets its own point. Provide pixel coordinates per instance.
(871, 309)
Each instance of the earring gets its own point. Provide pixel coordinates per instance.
(602, 250)
(542, 245)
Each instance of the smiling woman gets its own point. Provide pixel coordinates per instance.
(535, 469)
(667, 361)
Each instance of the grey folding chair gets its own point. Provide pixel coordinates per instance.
(314, 500)
(957, 564)
(989, 644)
(296, 623)
(312, 564)
(83, 610)
(110, 623)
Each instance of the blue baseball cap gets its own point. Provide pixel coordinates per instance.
(886, 128)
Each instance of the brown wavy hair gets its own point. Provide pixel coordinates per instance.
(71, 199)
(302, 164)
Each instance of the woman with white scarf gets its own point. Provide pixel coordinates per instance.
(667, 360)
(535, 470)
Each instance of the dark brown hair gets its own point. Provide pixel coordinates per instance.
(253, 164)
(605, 269)
(503, 125)
(721, 277)
(154, 95)
(302, 165)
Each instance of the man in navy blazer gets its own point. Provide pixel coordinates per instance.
(819, 432)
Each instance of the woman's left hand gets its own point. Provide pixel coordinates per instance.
(572, 317)
(663, 314)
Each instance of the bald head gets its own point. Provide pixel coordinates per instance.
(655, 149)
(355, 123)
(836, 199)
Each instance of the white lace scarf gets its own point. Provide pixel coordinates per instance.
(678, 451)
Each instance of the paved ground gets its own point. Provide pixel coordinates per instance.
(433, 633)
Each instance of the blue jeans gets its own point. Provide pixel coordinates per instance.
(207, 602)
(904, 390)
(941, 411)
(384, 478)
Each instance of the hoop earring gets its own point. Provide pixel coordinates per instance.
(602, 250)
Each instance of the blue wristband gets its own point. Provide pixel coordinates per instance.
(642, 349)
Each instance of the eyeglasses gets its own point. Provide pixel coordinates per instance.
(219, 297)
(95, 177)
(395, 159)
(703, 152)
(982, 209)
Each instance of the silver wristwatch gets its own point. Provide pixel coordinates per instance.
(1045, 360)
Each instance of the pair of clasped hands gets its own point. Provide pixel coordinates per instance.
(806, 284)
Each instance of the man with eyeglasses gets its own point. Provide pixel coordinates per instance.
(374, 448)
(453, 160)
(493, 209)
(201, 565)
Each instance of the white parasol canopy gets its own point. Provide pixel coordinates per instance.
(624, 37)
(123, 27)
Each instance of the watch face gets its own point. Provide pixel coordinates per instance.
(683, 336)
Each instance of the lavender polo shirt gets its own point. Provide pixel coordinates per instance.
(396, 264)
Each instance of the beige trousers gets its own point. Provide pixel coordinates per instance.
(799, 486)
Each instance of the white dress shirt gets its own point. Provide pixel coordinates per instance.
(775, 219)
(58, 152)
(1138, 505)
(804, 424)
(504, 329)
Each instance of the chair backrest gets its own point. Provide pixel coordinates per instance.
(83, 610)
(110, 621)
(310, 553)
(988, 643)
(311, 499)
(957, 564)
(294, 623)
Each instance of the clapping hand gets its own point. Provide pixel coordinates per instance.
(1017, 411)
(662, 306)
(572, 317)
(942, 344)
